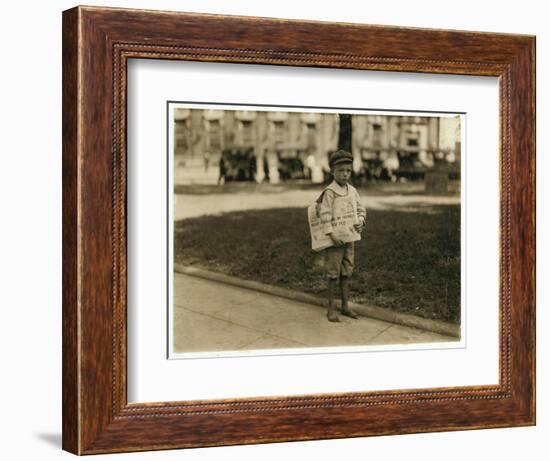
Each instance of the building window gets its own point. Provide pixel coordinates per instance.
(311, 135)
(279, 132)
(247, 133)
(214, 135)
(376, 135)
(182, 136)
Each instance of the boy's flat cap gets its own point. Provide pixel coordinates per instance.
(340, 156)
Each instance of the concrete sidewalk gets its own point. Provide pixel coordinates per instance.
(212, 316)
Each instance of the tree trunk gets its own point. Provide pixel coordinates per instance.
(344, 134)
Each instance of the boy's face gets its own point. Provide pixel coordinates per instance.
(342, 173)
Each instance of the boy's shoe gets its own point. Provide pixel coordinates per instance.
(332, 315)
(349, 313)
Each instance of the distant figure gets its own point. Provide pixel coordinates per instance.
(252, 165)
(390, 165)
(310, 165)
(223, 170)
(206, 160)
(281, 166)
(266, 167)
(242, 165)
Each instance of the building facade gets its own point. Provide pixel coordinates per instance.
(285, 145)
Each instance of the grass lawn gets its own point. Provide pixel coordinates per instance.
(407, 261)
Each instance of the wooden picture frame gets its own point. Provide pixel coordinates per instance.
(97, 43)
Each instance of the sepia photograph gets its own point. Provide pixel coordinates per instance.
(312, 229)
(284, 228)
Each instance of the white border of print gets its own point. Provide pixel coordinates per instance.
(151, 377)
(172, 105)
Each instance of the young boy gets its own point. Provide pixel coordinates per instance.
(339, 257)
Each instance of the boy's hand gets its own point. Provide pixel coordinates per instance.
(360, 226)
(337, 242)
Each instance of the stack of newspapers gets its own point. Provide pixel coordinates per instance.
(344, 216)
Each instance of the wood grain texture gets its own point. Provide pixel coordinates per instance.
(70, 382)
(97, 44)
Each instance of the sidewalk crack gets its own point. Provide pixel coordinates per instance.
(381, 332)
